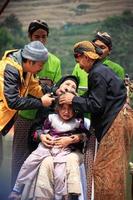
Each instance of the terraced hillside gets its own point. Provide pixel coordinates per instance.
(60, 12)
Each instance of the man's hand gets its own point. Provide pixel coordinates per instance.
(47, 100)
(60, 91)
(66, 98)
(65, 88)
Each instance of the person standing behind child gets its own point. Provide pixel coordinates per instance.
(17, 70)
(104, 42)
(37, 30)
(60, 129)
(111, 122)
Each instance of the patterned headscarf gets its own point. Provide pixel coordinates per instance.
(87, 48)
(105, 38)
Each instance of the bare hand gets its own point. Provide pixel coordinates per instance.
(47, 100)
(76, 138)
(65, 88)
(47, 140)
(63, 142)
(61, 90)
(66, 98)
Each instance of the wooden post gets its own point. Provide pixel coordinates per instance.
(4, 6)
(132, 187)
(131, 172)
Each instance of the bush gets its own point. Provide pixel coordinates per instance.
(11, 34)
(121, 30)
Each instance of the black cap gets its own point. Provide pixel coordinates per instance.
(37, 24)
(105, 38)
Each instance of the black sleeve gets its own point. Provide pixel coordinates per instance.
(12, 94)
(96, 99)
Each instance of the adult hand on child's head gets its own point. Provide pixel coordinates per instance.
(65, 88)
(47, 100)
(47, 140)
(61, 90)
(66, 98)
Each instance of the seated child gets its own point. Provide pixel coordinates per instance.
(60, 129)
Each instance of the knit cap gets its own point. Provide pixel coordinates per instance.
(35, 51)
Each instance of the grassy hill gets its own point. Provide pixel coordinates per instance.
(71, 21)
(61, 41)
(60, 12)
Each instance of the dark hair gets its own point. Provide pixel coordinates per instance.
(104, 38)
(37, 24)
(24, 59)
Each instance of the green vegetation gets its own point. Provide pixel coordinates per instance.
(61, 40)
(121, 30)
(11, 34)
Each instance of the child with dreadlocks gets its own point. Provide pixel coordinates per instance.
(60, 128)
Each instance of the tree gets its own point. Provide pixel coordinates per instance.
(11, 34)
(121, 30)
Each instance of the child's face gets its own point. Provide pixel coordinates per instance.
(65, 111)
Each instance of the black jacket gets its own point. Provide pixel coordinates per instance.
(105, 97)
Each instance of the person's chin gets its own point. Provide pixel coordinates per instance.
(66, 118)
(82, 67)
(86, 70)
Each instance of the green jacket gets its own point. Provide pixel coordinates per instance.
(83, 76)
(52, 70)
(119, 70)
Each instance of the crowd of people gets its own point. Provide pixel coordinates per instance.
(61, 130)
